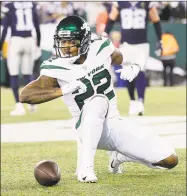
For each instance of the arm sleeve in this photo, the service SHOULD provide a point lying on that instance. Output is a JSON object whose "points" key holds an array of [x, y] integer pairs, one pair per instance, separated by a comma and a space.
{"points": [[158, 30], [109, 25], [157, 25]]}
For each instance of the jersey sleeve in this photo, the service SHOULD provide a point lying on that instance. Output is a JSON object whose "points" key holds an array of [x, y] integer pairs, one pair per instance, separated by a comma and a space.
{"points": [[51, 69], [54, 69], [105, 49]]}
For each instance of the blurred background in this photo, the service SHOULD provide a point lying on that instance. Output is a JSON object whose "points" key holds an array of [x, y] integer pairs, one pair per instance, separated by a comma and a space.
{"points": [[173, 18]]}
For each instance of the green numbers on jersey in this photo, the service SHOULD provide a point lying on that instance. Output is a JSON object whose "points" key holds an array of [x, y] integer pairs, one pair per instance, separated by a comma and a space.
{"points": [[100, 89], [89, 92]]}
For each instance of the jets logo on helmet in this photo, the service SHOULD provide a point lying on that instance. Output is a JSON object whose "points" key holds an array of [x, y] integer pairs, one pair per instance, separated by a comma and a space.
{"points": [[85, 26], [72, 33]]}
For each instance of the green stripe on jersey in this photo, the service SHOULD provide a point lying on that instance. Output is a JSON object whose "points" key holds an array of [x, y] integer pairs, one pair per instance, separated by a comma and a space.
{"points": [[105, 44], [52, 67], [79, 121]]}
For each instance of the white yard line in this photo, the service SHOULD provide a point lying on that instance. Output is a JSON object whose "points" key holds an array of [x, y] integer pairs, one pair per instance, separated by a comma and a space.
{"points": [[172, 127]]}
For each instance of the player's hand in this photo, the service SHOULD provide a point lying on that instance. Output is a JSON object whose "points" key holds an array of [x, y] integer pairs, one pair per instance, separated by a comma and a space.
{"points": [[129, 72], [159, 49], [73, 86]]}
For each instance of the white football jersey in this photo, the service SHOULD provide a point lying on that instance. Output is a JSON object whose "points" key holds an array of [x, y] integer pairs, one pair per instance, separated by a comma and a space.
{"points": [[94, 73]]}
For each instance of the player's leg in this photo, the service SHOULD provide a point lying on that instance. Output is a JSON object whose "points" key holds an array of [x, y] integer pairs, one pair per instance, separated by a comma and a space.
{"points": [[79, 150], [91, 123], [172, 65], [141, 146], [128, 52], [164, 62], [141, 82], [141, 87], [133, 103], [13, 62], [27, 65]]}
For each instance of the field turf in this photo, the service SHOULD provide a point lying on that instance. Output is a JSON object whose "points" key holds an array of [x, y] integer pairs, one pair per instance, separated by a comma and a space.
{"points": [[18, 159], [18, 162], [159, 102]]}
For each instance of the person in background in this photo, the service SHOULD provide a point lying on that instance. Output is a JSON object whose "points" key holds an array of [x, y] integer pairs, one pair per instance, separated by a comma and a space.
{"points": [[170, 48], [21, 17], [79, 9], [55, 11], [134, 23]]}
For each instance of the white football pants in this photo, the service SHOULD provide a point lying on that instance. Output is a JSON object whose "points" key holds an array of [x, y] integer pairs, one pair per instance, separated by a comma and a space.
{"points": [[21, 51], [116, 134]]}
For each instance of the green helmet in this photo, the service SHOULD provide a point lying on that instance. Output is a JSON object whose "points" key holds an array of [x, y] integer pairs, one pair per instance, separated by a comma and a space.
{"points": [[72, 28]]}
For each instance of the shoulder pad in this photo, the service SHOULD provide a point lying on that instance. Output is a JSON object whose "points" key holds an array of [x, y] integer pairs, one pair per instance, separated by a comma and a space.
{"points": [[54, 63], [101, 49], [105, 44], [102, 45]]}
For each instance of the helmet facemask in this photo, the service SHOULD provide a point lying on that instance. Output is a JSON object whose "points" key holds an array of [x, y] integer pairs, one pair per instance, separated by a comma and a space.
{"points": [[65, 46], [75, 39]]}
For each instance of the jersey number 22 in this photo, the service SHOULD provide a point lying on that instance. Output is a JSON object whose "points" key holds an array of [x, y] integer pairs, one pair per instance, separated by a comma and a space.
{"points": [[99, 90]]}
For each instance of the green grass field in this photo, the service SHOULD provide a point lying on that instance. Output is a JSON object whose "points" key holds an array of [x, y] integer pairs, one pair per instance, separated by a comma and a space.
{"points": [[159, 102], [18, 159]]}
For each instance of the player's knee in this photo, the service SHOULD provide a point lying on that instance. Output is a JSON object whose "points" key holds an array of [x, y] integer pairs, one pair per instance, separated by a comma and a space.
{"points": [[100, 104], [168, 163], [100, 101], [100, 98]]}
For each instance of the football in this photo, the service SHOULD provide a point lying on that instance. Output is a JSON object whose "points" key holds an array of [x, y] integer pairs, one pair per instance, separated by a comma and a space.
{"points": [[47, 173]]}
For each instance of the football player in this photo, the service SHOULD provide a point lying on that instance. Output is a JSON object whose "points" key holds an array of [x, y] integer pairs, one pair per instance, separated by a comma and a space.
{"points": [[21, 17], [134, 17], [80, 74]]}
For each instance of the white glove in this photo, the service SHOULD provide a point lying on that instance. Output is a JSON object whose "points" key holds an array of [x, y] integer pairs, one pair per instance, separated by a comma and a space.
{"points": [[129, 72], [73, 86]]}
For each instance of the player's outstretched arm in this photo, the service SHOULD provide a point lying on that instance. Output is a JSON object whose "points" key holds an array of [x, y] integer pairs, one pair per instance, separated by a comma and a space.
{"points": [[41, 90], [154, 17], [47, 88], [111, 19]]}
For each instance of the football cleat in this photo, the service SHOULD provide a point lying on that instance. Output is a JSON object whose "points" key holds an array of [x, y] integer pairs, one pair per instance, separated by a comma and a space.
{"points": [[19, 110], [136, 108], [140, 108], [32, 108], [113, 168], [133, 108], [87, 176]]}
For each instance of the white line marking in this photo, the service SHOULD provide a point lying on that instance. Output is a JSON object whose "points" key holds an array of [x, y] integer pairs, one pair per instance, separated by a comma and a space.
{"points": [[171, 127]]}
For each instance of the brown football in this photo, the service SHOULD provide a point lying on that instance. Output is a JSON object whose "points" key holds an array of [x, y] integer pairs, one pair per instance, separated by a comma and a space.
{"points": [[47, 173]]}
